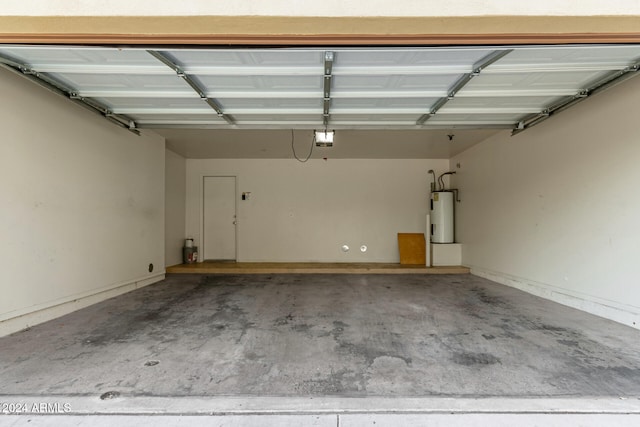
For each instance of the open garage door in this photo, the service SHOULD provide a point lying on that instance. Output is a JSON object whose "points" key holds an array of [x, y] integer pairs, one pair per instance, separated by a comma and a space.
{"points": [[511, 87]]}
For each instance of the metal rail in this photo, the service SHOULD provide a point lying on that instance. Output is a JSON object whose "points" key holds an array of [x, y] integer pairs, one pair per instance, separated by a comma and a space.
{"points": [[610, 80], [462, 82], [59, 88], [191, 82]]}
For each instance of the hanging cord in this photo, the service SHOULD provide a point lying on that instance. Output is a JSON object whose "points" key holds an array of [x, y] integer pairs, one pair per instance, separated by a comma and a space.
{"points": [[293, 148], [441, 179]]}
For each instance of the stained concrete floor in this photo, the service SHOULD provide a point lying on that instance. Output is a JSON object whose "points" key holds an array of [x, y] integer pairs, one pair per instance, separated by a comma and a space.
{"points": [[324, 335]]}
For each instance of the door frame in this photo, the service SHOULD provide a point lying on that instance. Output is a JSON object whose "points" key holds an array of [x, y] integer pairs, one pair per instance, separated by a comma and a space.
{"points": [[202, 216]]}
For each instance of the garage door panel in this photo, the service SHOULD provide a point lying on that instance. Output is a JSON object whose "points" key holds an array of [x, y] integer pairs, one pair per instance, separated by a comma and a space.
{"points": [[155, 103], [262, 83], [470, 117], [216, 59], [534, 81], [394, 82], [607, 57], [116, 82], [271, 103], [383, 103], [538, 102], [445, 58], [39, 57]]}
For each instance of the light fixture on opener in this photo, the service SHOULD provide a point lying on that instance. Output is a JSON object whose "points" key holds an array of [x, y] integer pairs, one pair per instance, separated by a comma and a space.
{"points": [[324, 138]]}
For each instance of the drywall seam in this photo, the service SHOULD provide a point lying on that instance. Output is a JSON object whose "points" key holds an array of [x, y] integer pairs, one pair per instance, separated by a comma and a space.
{"points": [[609, 310], [45, 312]]}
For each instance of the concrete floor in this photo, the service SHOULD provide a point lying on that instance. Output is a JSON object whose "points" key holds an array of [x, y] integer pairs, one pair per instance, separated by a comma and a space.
{"points": [[324, 335]]}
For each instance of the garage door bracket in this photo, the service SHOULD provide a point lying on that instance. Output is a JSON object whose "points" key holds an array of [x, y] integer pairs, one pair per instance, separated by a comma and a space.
{"points": [[328, 76]]}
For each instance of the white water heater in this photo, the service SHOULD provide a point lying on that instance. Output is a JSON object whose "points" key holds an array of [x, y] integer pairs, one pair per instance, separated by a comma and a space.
{"points": [[442, 217]]}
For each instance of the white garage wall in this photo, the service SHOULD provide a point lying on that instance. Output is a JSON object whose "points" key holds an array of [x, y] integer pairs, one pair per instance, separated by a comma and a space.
{"points": [[555, 210], [307, 211], [174, 207], [82, 206]]}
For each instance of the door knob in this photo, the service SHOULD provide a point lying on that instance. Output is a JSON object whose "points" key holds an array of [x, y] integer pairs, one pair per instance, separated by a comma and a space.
{"points": [[235, 222]]}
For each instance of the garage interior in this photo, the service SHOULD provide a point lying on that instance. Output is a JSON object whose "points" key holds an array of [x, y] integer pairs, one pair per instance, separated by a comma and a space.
{"points": [[103, 188]]}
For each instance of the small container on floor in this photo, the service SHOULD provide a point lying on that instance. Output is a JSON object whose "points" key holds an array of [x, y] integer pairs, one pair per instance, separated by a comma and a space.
{"points": [[190, 254]]}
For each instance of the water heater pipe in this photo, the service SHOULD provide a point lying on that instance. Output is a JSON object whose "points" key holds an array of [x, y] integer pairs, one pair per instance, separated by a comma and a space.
{"points": [[441, 181], [433, 180]]}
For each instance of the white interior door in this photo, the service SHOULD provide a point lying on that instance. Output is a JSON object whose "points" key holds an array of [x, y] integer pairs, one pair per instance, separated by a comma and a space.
{"points": [[219, 238]]}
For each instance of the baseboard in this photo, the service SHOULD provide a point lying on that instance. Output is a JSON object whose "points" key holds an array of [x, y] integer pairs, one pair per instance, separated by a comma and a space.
{"points": [[608, 309], [45, 312]]}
